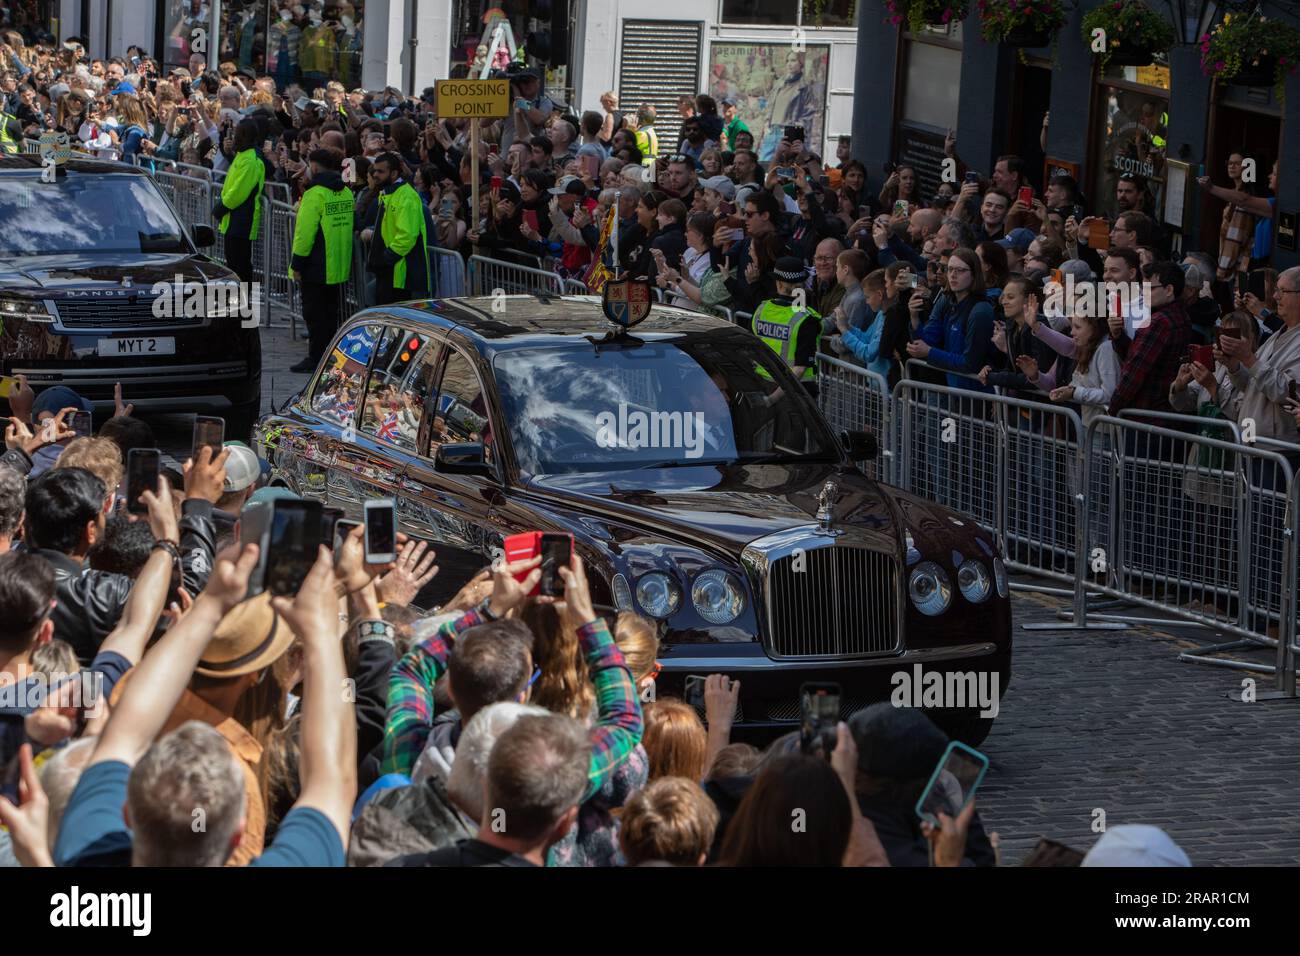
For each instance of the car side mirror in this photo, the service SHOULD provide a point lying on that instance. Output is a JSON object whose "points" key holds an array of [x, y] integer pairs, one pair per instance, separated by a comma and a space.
{"points": [[204, 236], [463, 458], [859, 446]]}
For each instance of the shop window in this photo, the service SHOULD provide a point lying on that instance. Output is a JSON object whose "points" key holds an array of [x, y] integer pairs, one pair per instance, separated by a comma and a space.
{"points": [[829, 13], [187, 29], [1134, 124], [764, 12], [932, 85], [294, 44]]}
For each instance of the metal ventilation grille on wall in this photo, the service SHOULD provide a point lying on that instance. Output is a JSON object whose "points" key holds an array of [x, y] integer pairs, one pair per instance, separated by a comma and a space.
{"points": [[660, 61]]}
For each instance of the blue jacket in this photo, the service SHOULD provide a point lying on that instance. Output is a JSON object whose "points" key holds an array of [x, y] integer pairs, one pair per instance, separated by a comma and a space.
{"points": [[865, 345], [960, 337]]}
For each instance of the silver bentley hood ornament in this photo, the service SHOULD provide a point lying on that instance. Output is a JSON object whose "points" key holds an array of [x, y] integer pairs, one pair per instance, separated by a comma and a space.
{"points": [[825, 512]]}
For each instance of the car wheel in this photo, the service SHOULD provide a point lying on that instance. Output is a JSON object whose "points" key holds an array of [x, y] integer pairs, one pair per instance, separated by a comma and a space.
{"points": [[240, 421]]}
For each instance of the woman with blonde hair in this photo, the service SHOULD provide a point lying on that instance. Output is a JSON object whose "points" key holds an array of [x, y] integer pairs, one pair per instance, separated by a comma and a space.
{"points": [[70, 112], [563, 686], [134, 124], [638, 638]]}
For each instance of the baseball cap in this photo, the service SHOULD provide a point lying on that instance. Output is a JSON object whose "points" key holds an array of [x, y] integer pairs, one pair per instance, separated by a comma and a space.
{"points": [[1136, 844], [721, 185], [568, 184], [1080, 270], [242, 467], [56, 398], [124, 87], [1018, 239], [730, 101]]}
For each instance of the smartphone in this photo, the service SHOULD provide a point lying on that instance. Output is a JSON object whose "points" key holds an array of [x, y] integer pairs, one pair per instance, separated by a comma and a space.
{"points": [[522, 104], [953, 783], [889, 168], [972, 177], [142, 466], [785, 172], [900, 207], [1243, 283], [1204, 354], [301, 103], [1099, 234], [557, 552], [693, 691], [81, 424], [381, 530], [496, 182], [819, 717], [591, 164], [293, 544], [329, 520], [1026, 195], [1227, 334], [342, 528], [210, 433], [446, 208], [1078, 214], [795, 134], [726, 209], [494, 149], [913, 281]]}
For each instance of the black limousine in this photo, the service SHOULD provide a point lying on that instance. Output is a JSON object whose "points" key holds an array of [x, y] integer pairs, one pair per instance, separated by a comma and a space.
{"points": [[701, 484]]}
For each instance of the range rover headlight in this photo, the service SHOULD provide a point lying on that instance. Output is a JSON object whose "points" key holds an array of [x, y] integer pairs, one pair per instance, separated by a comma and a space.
{"points": [[718, 596], [1000, 576], [658, 594], [929, 588], [973, 581], [30, 310]]}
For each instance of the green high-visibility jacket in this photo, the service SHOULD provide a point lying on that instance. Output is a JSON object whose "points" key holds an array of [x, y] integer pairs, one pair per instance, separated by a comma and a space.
{"points": [[240, 206], [647, 140], [778, 324], [322, 231], [405, 238], [7, 142]]}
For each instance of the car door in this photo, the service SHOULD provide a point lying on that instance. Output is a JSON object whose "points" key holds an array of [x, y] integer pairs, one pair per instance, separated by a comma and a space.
{"points": [[454, 512], [368, 466], [310, 442]]}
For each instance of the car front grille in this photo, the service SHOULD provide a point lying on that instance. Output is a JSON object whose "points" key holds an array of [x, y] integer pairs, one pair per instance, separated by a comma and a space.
{"points": [[117, 313], [834, 601]]}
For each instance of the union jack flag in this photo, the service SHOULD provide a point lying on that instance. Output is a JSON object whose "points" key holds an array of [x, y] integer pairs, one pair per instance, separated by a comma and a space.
{"points": [[388, 430]]}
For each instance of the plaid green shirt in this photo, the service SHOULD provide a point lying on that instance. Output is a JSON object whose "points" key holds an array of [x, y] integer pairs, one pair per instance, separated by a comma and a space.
{"points": [[410, 699]]}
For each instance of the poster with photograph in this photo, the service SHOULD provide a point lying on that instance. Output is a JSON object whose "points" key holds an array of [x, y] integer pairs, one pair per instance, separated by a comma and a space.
{"points": [[775, 85]]}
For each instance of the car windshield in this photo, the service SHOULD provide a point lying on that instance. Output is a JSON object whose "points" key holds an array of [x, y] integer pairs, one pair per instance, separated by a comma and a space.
{"points": [[78, 213], [675, 402]]}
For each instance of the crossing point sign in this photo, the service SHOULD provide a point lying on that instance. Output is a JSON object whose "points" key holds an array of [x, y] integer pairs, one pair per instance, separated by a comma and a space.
{"points": [[473, 99]]}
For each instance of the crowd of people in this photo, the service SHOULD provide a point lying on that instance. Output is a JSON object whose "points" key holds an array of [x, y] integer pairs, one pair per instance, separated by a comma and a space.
{"points": [[504, 729], [142, 692]]}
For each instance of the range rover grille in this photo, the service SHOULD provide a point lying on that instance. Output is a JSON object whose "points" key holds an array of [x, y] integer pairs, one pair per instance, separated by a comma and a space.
{"points": [[117, 313]]}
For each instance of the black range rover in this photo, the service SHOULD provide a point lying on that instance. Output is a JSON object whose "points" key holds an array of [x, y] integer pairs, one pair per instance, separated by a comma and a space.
{"points": [[702, 486], [81, 263]]}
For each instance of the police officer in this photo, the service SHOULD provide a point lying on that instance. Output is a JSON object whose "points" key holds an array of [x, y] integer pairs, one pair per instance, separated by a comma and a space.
{"points": [[790, 328], [399, 253], [322, 251], [240, 205], [647, 140]]}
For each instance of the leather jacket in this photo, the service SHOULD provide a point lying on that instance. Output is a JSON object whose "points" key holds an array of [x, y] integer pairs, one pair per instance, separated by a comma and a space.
{"points": [[89, 603]]}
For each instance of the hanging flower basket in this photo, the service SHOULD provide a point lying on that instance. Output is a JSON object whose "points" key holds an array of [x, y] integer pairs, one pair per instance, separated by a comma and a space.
{"points": [[1251, 51], [919, 14], [1021, 23], [1131, 31]]}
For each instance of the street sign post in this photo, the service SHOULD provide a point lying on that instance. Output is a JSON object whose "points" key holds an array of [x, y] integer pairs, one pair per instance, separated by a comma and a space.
{"points": [[473, 100]]}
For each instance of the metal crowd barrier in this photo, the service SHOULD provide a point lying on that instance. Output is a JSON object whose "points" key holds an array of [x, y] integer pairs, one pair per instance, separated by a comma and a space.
{"points": [[1199, 527], [450, 273], [486, 276]]}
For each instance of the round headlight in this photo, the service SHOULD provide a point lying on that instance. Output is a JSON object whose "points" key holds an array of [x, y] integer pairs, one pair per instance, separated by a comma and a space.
{"points": [[658, 594], [973, 580], [718, 596], [929, 588], [622, 593], [1000, 576]]}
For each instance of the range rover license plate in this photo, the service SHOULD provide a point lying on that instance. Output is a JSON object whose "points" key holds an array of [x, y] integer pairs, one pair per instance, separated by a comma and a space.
{"points": [[147, 345]]}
